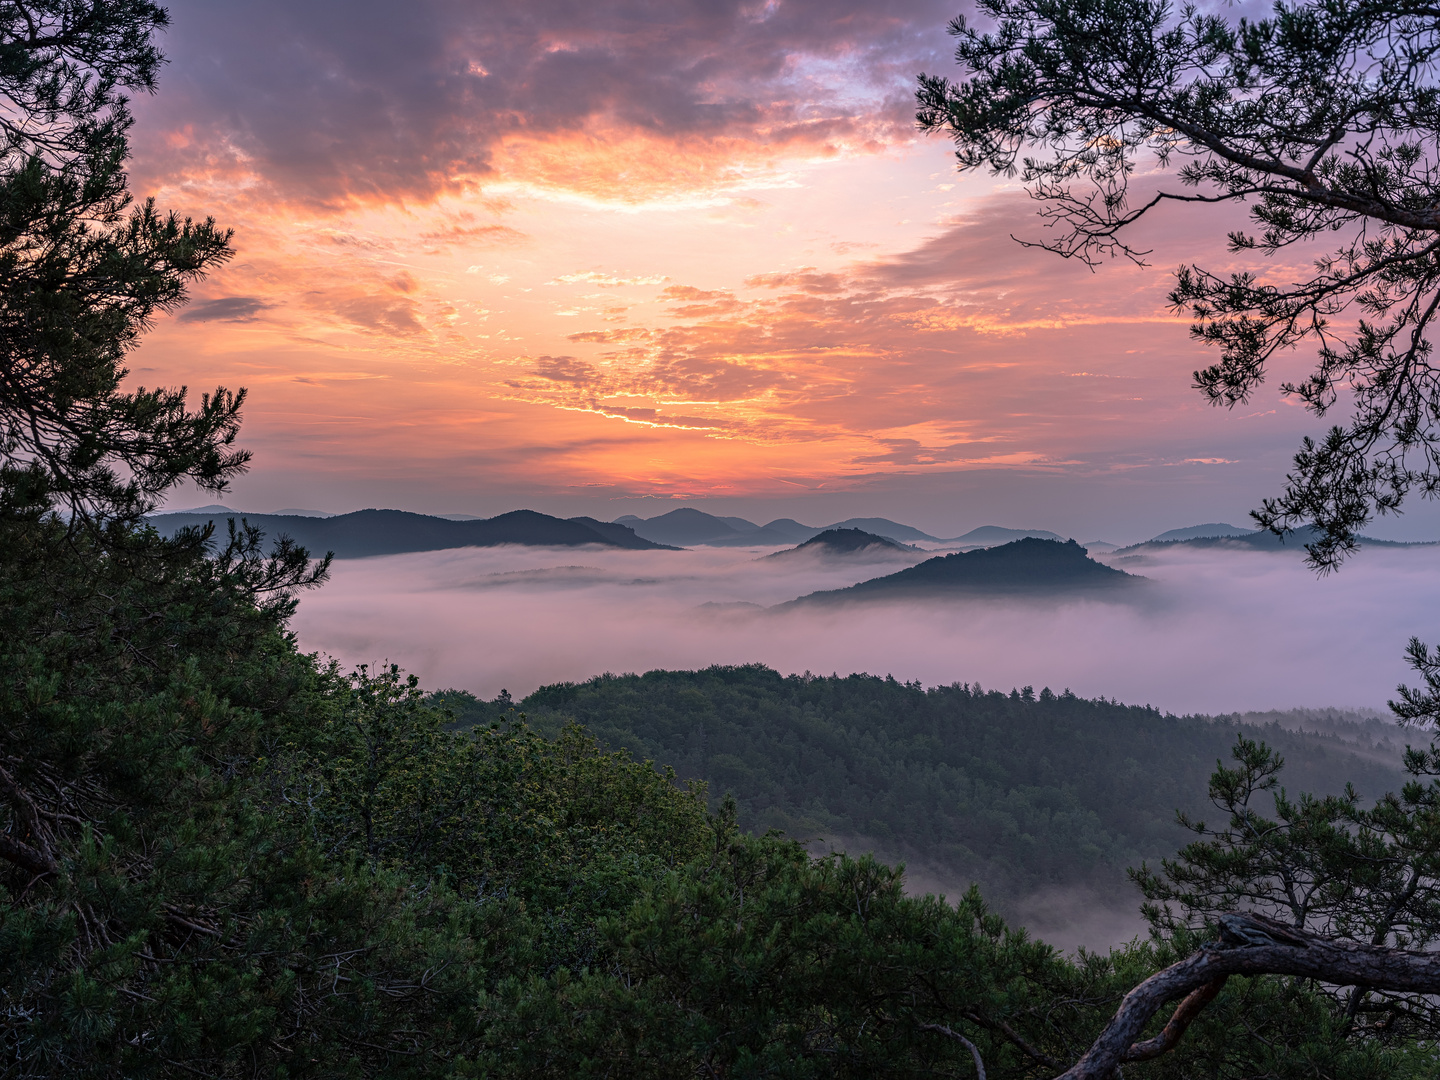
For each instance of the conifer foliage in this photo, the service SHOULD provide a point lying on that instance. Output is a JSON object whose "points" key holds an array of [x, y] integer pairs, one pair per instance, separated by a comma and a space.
{"points": [[83, 271]]}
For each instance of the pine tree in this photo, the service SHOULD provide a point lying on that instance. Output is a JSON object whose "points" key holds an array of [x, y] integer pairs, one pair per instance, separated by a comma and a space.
{"points": [[1323, 120], [83, 271]]}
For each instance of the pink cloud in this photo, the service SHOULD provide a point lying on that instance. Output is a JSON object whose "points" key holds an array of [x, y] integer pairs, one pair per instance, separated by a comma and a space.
{"points": [[327, 102]]}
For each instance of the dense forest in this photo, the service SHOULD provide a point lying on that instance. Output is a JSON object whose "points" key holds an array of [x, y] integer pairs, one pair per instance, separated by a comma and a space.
{"points": [[222, 856], [1013, 790]]}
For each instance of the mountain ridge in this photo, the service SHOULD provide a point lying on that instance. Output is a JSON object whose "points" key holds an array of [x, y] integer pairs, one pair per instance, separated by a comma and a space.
{"points": [[1259, 540], [365, 533]]}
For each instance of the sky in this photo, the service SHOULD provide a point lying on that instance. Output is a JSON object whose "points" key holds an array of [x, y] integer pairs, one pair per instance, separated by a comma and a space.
{"points": [[627, 255]]}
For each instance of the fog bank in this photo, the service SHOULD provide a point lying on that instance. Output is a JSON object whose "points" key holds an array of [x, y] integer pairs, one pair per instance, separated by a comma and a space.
{"points": [[1220, 630]]}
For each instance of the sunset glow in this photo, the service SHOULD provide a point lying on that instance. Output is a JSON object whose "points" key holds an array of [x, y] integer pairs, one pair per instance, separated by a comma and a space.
{"points": [[574, 259]]}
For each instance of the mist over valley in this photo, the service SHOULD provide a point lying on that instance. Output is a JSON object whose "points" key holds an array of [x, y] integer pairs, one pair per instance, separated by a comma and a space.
{"points": [[1219, 639], [1216, 629]]}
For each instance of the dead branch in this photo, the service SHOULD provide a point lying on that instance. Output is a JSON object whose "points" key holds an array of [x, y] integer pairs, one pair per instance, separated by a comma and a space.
{"points": [[26, 857], [1014, 1036], [1170, 1036], [1248, 945]]}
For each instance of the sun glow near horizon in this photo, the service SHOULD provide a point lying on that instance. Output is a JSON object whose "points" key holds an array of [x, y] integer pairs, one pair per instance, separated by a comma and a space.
{"points": [[768, 283]]}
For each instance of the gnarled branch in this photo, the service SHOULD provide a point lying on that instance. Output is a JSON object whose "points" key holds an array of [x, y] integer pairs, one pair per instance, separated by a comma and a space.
{"points": [[1263, 947], [27, 858]]}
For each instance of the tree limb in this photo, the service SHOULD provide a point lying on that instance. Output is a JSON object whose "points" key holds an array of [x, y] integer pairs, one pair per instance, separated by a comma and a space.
{"points": [[1186, 1012], [1266, 948], [1015, 1037], [26, 857]]}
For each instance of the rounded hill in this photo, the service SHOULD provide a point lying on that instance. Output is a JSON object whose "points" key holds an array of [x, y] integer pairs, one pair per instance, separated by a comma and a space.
{"points": [[1025, 567], [844, 542]]}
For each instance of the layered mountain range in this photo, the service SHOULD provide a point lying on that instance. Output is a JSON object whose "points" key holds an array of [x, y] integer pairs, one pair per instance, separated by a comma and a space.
{"points": [[688, 527], [389, 532]]}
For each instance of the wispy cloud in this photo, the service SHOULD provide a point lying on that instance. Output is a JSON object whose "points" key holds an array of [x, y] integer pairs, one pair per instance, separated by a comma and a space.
{"points": [[224, 309]]}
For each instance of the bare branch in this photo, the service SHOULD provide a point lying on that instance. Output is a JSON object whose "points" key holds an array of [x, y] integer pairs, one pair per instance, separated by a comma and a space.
{"points": [[1271, 949], [26, 857]]}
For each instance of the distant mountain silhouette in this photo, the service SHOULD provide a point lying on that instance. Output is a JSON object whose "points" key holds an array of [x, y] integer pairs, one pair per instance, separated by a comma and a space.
{"points": [[844, 542], [740, 524], [688, 527], [882, 527], [618, 535], [1028, 567], [994, 535], [1198, 532], [390, 532], [1261, 540], [209, 508], [791, 529]]}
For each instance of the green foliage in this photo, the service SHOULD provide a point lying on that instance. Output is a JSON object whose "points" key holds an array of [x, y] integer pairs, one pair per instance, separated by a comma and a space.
{"points": [[1335, 865], [755, 960], [1015, 791], [758, 961], [499, 814], [157, 919], [217, 856]]}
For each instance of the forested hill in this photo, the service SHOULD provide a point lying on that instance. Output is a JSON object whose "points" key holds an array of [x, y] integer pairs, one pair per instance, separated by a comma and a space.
{"points": [[844, 542], [390, 532], [1030, 566], [1015, 790]]}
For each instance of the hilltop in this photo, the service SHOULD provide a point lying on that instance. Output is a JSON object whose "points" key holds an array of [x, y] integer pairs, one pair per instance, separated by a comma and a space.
{"points": [[994, 536], [1022, 567], [1018, 789], [1210, 530], [688, 527], [846, 542]]}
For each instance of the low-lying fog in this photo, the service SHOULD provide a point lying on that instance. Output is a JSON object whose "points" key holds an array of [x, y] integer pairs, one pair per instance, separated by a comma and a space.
{"points": [[1220, 631]]}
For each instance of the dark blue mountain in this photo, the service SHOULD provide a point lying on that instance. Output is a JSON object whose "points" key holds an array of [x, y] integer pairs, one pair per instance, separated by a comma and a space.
{"points": [[1025, 567], [883, 527], [844, 542], [391, 532], [688, 527]]}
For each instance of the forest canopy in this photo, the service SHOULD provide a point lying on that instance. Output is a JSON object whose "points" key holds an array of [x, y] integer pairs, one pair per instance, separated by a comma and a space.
{"points": [[949, 777]]}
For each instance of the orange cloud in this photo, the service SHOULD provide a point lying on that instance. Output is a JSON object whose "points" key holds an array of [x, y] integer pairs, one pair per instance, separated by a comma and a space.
{"points": [[336, 105]]}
